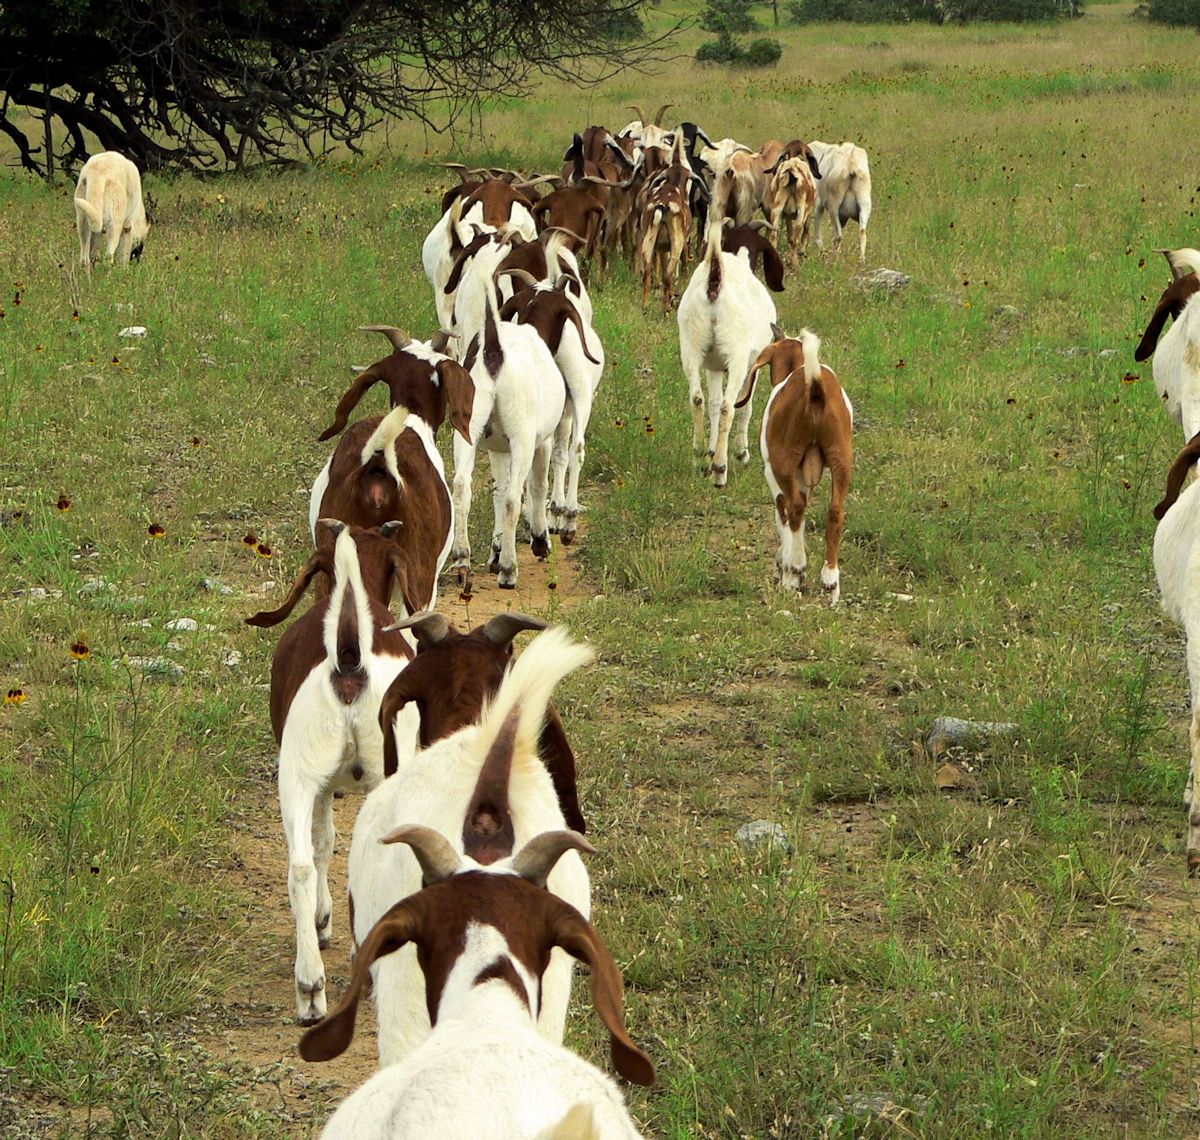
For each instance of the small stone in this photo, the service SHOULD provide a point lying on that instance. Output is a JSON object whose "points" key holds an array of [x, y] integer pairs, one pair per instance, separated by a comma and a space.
{"points": [[216, 586], [34, 593], [183, 625], [133, 331], [1109, 353], [231, 659], [888, 279], [145, 623], [174, 647], [265, 588], [754, 835], [96, 585], [900, 597]]}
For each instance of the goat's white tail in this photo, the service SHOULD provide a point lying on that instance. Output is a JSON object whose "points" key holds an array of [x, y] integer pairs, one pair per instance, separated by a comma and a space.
{"points": [[94, 216], [527, 689], [578, 1124], [812, 345], [348, 644], [383, 439]]}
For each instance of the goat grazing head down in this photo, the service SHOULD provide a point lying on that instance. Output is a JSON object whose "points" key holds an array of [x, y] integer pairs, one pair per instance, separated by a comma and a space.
{"points": [[474, 927]]}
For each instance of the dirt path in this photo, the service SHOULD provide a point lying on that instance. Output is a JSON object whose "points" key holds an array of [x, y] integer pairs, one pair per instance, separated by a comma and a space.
{"points": [[260, 1035]]}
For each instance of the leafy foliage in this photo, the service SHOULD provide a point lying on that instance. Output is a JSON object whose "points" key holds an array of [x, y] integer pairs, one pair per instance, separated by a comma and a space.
{"points": [[1184, 13], [933, 11], [211, 85]]}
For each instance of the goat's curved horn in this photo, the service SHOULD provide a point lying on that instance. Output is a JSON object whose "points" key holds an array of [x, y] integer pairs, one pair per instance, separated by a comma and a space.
{"points": [[398, 337], [501, 629], [433, 851], [640, 113], [389, 529], [537, 858], [1181, 261], [659, 113], [428, 628], [519, 274], [759, 224], [451, 165], [334, 526], [440, 340]]}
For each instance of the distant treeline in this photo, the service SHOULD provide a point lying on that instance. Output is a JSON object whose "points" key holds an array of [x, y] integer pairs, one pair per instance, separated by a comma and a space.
{"points": [[939, 11]]}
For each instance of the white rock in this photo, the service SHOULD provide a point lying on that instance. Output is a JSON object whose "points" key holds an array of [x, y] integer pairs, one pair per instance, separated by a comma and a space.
{"points": [[952, 730], [231, 659], [216, 586], [183, 625], [155, 666], [133, 331], [754, 835]]}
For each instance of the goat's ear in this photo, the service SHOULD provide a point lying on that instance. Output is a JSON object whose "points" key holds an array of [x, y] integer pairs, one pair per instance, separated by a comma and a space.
{"points": [[1169, 305], [747, 391], [456, 382], [403, 689], [331, 1037], [349, 401], [555, 752], [400, 570], [1184, 462], [812, 162], [318, 562], [772, 266], [578, 938]]}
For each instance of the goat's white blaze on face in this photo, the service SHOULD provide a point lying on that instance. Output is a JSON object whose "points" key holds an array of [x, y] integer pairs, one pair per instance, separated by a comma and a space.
{"points": [[487, 957]]}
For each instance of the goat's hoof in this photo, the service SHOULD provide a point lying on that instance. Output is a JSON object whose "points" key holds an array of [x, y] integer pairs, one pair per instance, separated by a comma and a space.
{"points": [[507, 583], [720, 474], [566, 537], [493, 563], [325, 932], [1193, 864], [310, 1001], [743, 456], [540, 545]]}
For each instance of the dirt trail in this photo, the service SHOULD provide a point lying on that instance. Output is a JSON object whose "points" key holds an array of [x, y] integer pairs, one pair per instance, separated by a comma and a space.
{"points": [[261, 1033]]}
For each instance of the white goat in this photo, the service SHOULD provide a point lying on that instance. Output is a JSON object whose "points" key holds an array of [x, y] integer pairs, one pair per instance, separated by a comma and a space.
{"points": [[487, 786], [726, 318], [483, 934], [1177, 566], [843, 191], [1177, 354], [108, 203], [328, 677], [520, 396]]}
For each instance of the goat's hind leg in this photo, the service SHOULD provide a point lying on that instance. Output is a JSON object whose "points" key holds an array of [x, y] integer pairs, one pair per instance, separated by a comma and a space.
{"points": [[324, 836], [1190, 796], [296, 804]]}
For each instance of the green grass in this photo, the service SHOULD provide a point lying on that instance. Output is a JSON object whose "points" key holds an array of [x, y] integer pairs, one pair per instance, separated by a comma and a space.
{"points": [[1015, 958]]}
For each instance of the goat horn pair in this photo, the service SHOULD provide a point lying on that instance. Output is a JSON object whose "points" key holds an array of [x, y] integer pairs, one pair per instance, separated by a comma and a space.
{"points": [[551, 230], [428, 628], [659, 113], [519, 274], [398, 337], [534, 861]]}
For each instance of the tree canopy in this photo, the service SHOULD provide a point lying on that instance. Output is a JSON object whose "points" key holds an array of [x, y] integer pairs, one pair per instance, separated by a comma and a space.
{"points": [[222, 84]]}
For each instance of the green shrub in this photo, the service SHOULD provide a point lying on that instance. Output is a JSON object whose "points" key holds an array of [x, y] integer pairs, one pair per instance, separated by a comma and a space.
{"points": [[623, 27], [718, 51], [762, 53], [1182, 13], [939, 11]]}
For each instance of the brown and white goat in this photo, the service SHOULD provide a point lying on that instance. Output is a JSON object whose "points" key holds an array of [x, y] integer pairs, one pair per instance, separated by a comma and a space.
{"points": [[790, 196], [483, 936], [735, 239], [389, 467], [574, 209], [452, 678], [487, 788], [806, 427], [666, 224], [328, 676]]}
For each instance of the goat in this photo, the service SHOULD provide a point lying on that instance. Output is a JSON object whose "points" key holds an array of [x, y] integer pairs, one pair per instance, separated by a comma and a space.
{"points": [[483, 935], [452, 677], [844, 191], [806, 427], [790, 196], [726, 318], [1177, 567], [520, 396], [328, 676], [108, 203], [579, 355], [1177, 359], [484, 784], [389, 467], [666, 223], [572, 208]]}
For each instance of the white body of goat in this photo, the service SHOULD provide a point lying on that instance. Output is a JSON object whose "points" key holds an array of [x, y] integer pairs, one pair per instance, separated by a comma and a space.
{"points": [[520, 396], [843, 191], [725, 320], [1177, 567], [108, 206], [435, 789]]}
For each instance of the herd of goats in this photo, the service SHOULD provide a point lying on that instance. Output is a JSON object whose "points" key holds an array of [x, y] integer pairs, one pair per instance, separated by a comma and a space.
{"points": [[468, 897]]}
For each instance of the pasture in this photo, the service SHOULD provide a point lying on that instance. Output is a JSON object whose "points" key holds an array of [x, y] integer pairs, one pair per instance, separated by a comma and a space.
{"points": [[1016, 954]]}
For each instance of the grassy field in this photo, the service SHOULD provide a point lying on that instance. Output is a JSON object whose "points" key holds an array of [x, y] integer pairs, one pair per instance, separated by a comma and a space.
{"points": [[1017, 956]]}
